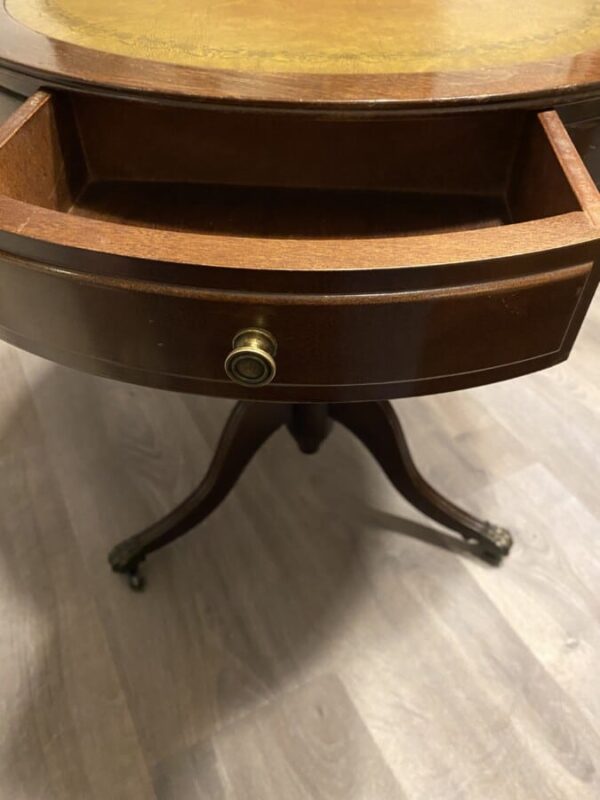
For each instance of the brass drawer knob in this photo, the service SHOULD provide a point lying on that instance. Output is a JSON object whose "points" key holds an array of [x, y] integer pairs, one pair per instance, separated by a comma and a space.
{"points": [[252, 360]]}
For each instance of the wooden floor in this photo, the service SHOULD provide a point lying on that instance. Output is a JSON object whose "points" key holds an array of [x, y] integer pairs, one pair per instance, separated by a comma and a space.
{"points": [[316, 638]]}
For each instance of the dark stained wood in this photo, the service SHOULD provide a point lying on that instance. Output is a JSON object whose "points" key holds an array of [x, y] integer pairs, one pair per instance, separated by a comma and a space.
{"points": [[379, 429], [247, 429], [586, 137], [9, 103], [377, 250], [344, 348], [460, 153], [314, 566], [349, 269], [309, 424], [270, 213], [425, 163], [217, 171]]}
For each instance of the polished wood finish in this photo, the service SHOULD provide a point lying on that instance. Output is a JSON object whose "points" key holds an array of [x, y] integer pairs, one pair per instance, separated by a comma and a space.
{"points": [[372, 55], [378, 428], [249, 427], [166, 231], [309, 424], [191, 694], [309, 637], [180, 339], [428, 162]]}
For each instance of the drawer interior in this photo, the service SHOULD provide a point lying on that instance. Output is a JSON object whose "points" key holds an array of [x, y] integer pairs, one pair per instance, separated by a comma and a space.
{"points": [[585, 134], [275, 175]]}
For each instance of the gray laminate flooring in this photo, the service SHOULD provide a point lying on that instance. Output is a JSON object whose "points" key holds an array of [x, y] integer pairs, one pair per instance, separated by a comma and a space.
{"points": [[316, 637]]}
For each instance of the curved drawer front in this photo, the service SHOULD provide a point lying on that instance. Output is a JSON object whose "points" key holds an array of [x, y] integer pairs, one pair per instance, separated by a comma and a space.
{"points": [[327, 347], [379, 259]]}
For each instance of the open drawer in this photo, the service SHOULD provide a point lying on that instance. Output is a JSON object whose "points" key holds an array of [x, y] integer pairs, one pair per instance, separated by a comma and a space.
{"points": [[387, 256]]}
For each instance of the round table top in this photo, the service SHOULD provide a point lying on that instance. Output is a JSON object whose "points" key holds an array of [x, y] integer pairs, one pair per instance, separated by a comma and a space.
{"points": [[314, 51]]}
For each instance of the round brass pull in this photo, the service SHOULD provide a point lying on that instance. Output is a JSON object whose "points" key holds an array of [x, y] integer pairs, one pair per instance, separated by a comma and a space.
{"points": [[252, 362]]}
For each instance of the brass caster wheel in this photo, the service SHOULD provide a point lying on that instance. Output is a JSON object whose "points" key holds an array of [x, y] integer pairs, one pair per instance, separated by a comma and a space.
{"points": [[494, 544], [124, 559], [136, 581]]}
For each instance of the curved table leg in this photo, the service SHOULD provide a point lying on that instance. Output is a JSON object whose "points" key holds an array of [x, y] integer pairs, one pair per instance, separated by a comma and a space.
{"points": [[248, 427], [378, 427]]}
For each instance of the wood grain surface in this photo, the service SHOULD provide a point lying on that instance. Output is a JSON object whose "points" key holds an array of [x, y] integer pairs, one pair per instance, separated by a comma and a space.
{"points": [[316, 638], [371, 36], [378, 55], [55, 146], [142, 249]]}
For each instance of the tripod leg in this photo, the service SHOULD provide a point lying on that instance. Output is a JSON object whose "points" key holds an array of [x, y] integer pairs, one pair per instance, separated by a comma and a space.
{"points": [[377, 426], [248, 427]]}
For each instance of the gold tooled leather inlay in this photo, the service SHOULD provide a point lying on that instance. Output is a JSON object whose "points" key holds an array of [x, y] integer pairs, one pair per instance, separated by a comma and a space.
{"points": [[322, 36]]}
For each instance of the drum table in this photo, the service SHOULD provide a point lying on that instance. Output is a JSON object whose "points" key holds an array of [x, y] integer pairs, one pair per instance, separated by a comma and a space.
{"points": [[312, 207]]}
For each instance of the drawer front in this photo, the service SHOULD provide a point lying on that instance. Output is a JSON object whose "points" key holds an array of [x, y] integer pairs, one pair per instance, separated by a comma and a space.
{"points": [[328, 347], [405, 257]]}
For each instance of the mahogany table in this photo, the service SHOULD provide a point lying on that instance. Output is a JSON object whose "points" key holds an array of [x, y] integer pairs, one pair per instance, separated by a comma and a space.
{"points": [[312, 207]]}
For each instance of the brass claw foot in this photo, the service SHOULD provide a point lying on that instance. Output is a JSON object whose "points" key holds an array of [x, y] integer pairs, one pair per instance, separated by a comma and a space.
{"points": [[494, 543], [251, 424], [125, 559]]}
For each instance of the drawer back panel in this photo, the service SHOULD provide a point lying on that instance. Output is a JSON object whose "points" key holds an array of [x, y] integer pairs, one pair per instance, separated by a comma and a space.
{"points": [[469, 153]]}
